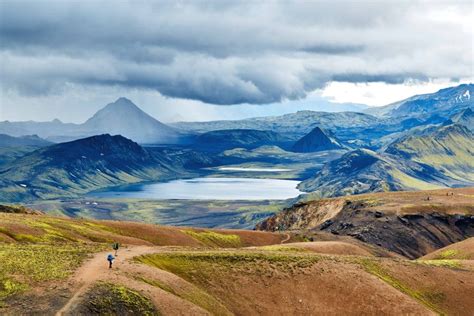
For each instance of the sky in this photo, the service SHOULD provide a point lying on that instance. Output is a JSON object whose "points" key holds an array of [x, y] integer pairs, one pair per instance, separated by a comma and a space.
{"points": [[206, 60]]}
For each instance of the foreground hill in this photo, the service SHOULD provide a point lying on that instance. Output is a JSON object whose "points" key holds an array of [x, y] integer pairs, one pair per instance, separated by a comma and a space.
{"points": [[57, 265], [316, 140], [463, 250], [438, 157], [77, 167], [409, 223], [238, 138]]}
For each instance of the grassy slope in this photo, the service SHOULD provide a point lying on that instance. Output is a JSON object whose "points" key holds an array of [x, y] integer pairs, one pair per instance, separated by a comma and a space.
{"points": [[39, 248], [450, 150], [272, 279], [291, 281]]}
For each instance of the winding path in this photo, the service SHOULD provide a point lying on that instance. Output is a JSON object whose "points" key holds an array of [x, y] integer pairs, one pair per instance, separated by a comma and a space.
{"points": [[96, 269]]}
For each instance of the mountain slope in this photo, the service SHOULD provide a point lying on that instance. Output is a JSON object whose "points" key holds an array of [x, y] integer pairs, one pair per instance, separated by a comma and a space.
{"points": [[125, 118], [363, 171], [80, 166], [465, 117], [184, 271], [238, 138], [29, 140], [316, 140], [438, 157], [121, 117], [448, 149], [403, 222], [444, 102]]}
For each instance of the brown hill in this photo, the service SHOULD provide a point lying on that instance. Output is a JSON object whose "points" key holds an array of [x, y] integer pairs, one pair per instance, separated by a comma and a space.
{"points": [[463, 250], [409, 223], [53, 265]]}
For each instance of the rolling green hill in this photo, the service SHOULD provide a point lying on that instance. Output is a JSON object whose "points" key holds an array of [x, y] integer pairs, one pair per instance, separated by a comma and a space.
{"points": [[448, 149]]}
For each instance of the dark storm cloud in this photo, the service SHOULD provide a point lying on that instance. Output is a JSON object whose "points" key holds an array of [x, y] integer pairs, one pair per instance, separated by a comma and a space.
{"points": [[229, 52]]}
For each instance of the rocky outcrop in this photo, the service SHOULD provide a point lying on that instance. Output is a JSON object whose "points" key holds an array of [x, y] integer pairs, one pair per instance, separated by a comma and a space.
{"points": [[412, 233]]}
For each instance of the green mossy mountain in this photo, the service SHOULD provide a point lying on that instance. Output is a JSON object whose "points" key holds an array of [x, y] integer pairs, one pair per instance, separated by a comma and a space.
{"points": [[441, 157]]}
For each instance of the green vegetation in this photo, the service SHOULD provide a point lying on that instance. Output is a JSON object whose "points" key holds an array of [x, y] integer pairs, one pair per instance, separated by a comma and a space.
{"points": [[446, 263], [192, 294], [449, 254], [202, 265], [283, 248], [47, 229], [215, 240], [111, 299], [430, 300], [23, 265], [195, 213]]}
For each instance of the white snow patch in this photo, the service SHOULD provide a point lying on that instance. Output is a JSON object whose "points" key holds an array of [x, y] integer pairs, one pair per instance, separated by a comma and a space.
{"points": [[467, 95]]}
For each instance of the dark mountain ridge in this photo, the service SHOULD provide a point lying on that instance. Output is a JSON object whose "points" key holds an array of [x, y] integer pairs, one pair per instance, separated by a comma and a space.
{"points": [[316, 140], [80, 166]]}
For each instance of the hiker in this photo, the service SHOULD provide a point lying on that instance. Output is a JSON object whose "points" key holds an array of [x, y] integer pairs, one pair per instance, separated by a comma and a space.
{"points": [[110, 259], [116, 247]]}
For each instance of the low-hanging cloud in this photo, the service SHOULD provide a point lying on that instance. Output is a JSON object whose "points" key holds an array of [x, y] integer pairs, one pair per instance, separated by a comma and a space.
{"points": [[230, 52]]}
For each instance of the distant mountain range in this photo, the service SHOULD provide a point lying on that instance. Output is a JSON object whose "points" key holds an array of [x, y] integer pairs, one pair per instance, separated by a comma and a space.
{"points": [[293, 125], [419, 143], [441, 157], [28, 140], [121, 117], [444, 103], [238, 138]]}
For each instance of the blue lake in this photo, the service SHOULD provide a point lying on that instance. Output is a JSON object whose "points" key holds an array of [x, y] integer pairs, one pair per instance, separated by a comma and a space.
{"points": [[207, 189]]}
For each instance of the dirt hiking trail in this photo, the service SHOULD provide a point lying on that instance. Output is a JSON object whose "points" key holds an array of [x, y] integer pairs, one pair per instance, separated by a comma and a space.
{"points": [[97, 269]]}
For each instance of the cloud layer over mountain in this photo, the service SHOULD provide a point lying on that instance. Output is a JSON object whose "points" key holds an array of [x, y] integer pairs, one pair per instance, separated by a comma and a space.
{"points": [[227, 52]]}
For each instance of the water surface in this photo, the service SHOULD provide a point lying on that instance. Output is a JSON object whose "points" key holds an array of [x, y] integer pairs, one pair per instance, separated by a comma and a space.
{"points": [[208, 189]]}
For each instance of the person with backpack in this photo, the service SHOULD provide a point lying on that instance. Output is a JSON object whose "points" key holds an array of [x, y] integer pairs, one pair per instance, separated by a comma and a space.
{"points": [[116, 247], [110, 259]]}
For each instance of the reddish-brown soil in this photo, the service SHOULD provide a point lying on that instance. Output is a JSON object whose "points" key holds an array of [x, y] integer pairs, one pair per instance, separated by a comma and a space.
{"points": [[463, 250], [409, 223]]}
